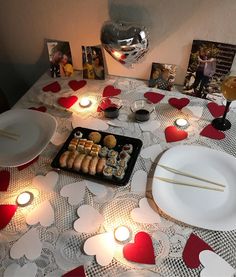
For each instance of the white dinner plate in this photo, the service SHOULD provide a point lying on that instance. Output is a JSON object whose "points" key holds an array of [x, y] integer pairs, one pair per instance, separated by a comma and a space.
{"points": [[203, 208], [35, 129]]}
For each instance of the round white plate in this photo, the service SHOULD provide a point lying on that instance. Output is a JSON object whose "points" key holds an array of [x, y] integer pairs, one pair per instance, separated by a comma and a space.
{"points": [[203, 208], [35, 129]]}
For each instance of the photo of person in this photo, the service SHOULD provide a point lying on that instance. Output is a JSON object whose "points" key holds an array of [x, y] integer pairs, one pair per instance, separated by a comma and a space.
{"points": [[93, 65], [162, 76], [60, 59], [209, 63]]}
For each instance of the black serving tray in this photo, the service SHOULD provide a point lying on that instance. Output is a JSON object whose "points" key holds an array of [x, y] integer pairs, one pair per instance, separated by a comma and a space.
{"points": [[121, 140]]}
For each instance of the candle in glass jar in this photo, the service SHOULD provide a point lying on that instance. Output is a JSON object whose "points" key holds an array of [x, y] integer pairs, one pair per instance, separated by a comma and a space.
{"points": [[85, 102]]}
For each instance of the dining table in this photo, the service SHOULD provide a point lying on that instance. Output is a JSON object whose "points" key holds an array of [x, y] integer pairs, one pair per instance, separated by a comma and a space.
{"points": [[50, 243]]}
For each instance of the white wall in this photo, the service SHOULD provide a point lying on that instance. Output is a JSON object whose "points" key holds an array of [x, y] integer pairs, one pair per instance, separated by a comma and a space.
{"points": [[173, 24]]}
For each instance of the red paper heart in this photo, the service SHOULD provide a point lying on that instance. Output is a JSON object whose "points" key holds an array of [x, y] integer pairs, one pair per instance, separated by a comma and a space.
{"points": [[4, 180], [215, 109], [154, 97], [6, 214], [141, 251], [173, 134], [210, 132], [106, 103], [21, 167], [67, 102], [75, 85], [110, 91], [192, 249], [179, 103], [53, 87], [76, 272], [40, 109]]}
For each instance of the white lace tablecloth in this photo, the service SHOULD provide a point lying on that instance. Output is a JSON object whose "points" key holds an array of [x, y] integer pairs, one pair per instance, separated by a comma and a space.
{"points": [[62, 245]]}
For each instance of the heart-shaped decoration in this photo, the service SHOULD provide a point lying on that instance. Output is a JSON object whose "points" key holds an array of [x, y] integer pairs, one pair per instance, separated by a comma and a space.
{"points": [[74, 192], [154, 97], [96, 189], [6, 214], [192, 249], [102, 246], [151, 152], [39, 109], [214, 265], [29, 245], [109, 91], [145, 214], [173, 134], [53, 87], [150, 126], [89, 220], [47, 182], [59, 138], [75, 85], [141, 251], [210, 132], [67, 102], [44, 214], [215, 109], [4, 180], [76, 272], [179, 103], [15, 270], [139, 182], [21, 167]]}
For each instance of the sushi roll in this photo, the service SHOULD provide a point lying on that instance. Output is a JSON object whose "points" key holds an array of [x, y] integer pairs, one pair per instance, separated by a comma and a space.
{"points": [[103, 151], [128, 148], [78, 135], [119, 173], [112, 154], [124, 155], [108, 171], [112, 162], [73, 144], [88, 146], [80, 146], [95, 150], [122, 163]]}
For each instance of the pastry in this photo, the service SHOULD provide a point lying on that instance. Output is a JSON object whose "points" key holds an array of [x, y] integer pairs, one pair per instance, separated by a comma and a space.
{"points": [[95, 137], [78, 161], [119, 173], [100, 165], [73, 144], [124, 155], [109, 141], [108, 171], [63, 158], [103, 151], [85, 163], [71, 159], [93, 165], [128, 148]]}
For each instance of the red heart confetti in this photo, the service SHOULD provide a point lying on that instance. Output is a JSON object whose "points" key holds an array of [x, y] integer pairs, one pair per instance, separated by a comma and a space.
{"points": [[179, 103], [173, 134], [141, 251], [4, 180], [154, 97], [21, 167], [110, 91], [215, 109], [75, 85], [76, 272], [40, 109], [67, 102], [53, 87], [6, 214], [210, 132], [192, 249]]}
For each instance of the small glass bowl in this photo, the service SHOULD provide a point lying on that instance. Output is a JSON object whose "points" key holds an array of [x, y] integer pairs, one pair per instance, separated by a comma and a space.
{"points": [[142, 109], [110, 106]]}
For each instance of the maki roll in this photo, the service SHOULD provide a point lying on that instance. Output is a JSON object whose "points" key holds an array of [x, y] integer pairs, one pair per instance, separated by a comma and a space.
{"points": [[111, 162], [103, 151], [78, 135], [88, 146], [108, 171], [73, 144], [112, 154], [128, 148], [124, 155], [122, 163], [119, 173]]}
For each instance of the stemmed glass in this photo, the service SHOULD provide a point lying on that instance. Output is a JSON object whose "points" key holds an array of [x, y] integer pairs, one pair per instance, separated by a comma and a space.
{"points": [[228, 89]]}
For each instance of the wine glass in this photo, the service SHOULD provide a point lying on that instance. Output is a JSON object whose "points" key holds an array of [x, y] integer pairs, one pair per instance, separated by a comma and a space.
{"points": [[228, 88]]}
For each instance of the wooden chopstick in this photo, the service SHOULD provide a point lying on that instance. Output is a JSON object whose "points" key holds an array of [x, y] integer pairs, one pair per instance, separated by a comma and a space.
{"points": [[8, 134], [187, 184], [190, 175]]}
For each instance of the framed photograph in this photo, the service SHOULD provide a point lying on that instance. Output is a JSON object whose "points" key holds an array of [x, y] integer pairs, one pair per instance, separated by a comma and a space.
{"points": [[60, 58], [209, 63], [93, 64], [162, 76]]}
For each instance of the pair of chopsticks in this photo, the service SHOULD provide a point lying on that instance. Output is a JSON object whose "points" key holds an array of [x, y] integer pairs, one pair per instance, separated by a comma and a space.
{"points": [[6, 134], [217, 186]]}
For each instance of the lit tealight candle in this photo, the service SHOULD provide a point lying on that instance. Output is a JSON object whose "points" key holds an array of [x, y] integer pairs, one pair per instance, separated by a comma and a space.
{"points": [[181, 123], [85, 102], [122, 234], [25, 198]]}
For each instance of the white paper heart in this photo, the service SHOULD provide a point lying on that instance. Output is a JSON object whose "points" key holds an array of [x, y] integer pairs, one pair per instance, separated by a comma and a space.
{"points": [[29, 245], [102, 246], [96, 189], [44, 214], [150, 126], [214, 265], [151, 152], [145, 214], [47, 182], [89, 220], [91, 122], [139, 182], [15, 270], [59, 138], [74, 192], [194, 112]]}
